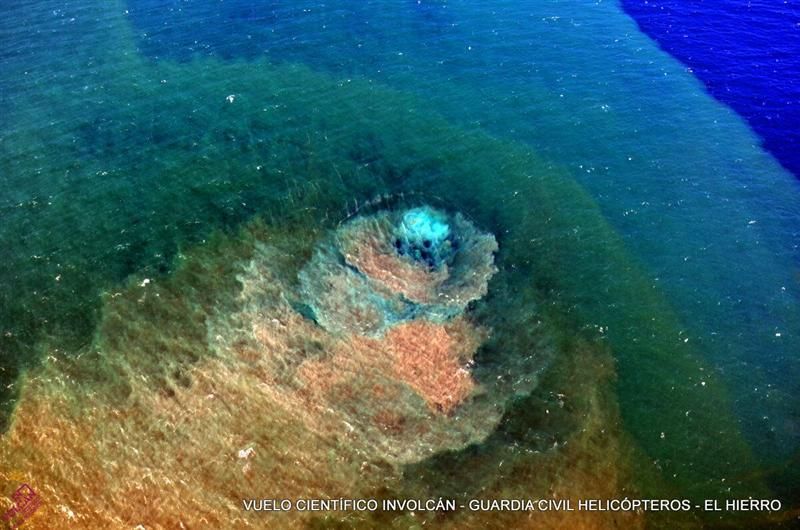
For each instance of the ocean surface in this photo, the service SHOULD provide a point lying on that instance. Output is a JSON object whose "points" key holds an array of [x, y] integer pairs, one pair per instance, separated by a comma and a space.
{"points": [[746, 55], [635, 165]]}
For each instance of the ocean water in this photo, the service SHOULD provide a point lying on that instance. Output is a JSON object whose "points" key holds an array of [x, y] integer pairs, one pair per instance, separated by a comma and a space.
{"points": [[648, 242], [745, 53]]}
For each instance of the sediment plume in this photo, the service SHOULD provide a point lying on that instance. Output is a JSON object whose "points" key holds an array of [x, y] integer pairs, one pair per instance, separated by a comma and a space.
{"points": [[396, 266], [195, 396]]}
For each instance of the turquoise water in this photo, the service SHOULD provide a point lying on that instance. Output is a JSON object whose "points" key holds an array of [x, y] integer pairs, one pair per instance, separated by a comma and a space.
{"points": [[130, 133]]}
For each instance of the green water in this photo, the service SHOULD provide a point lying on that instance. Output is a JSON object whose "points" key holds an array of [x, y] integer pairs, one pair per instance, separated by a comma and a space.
{"points": [[112, 163]]}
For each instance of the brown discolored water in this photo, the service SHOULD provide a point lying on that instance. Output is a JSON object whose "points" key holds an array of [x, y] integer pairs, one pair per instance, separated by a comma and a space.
{"points": [[160, 366]]}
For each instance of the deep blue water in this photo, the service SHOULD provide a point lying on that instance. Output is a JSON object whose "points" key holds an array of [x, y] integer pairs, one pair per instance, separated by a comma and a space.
{"points": [[746, 52]]}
